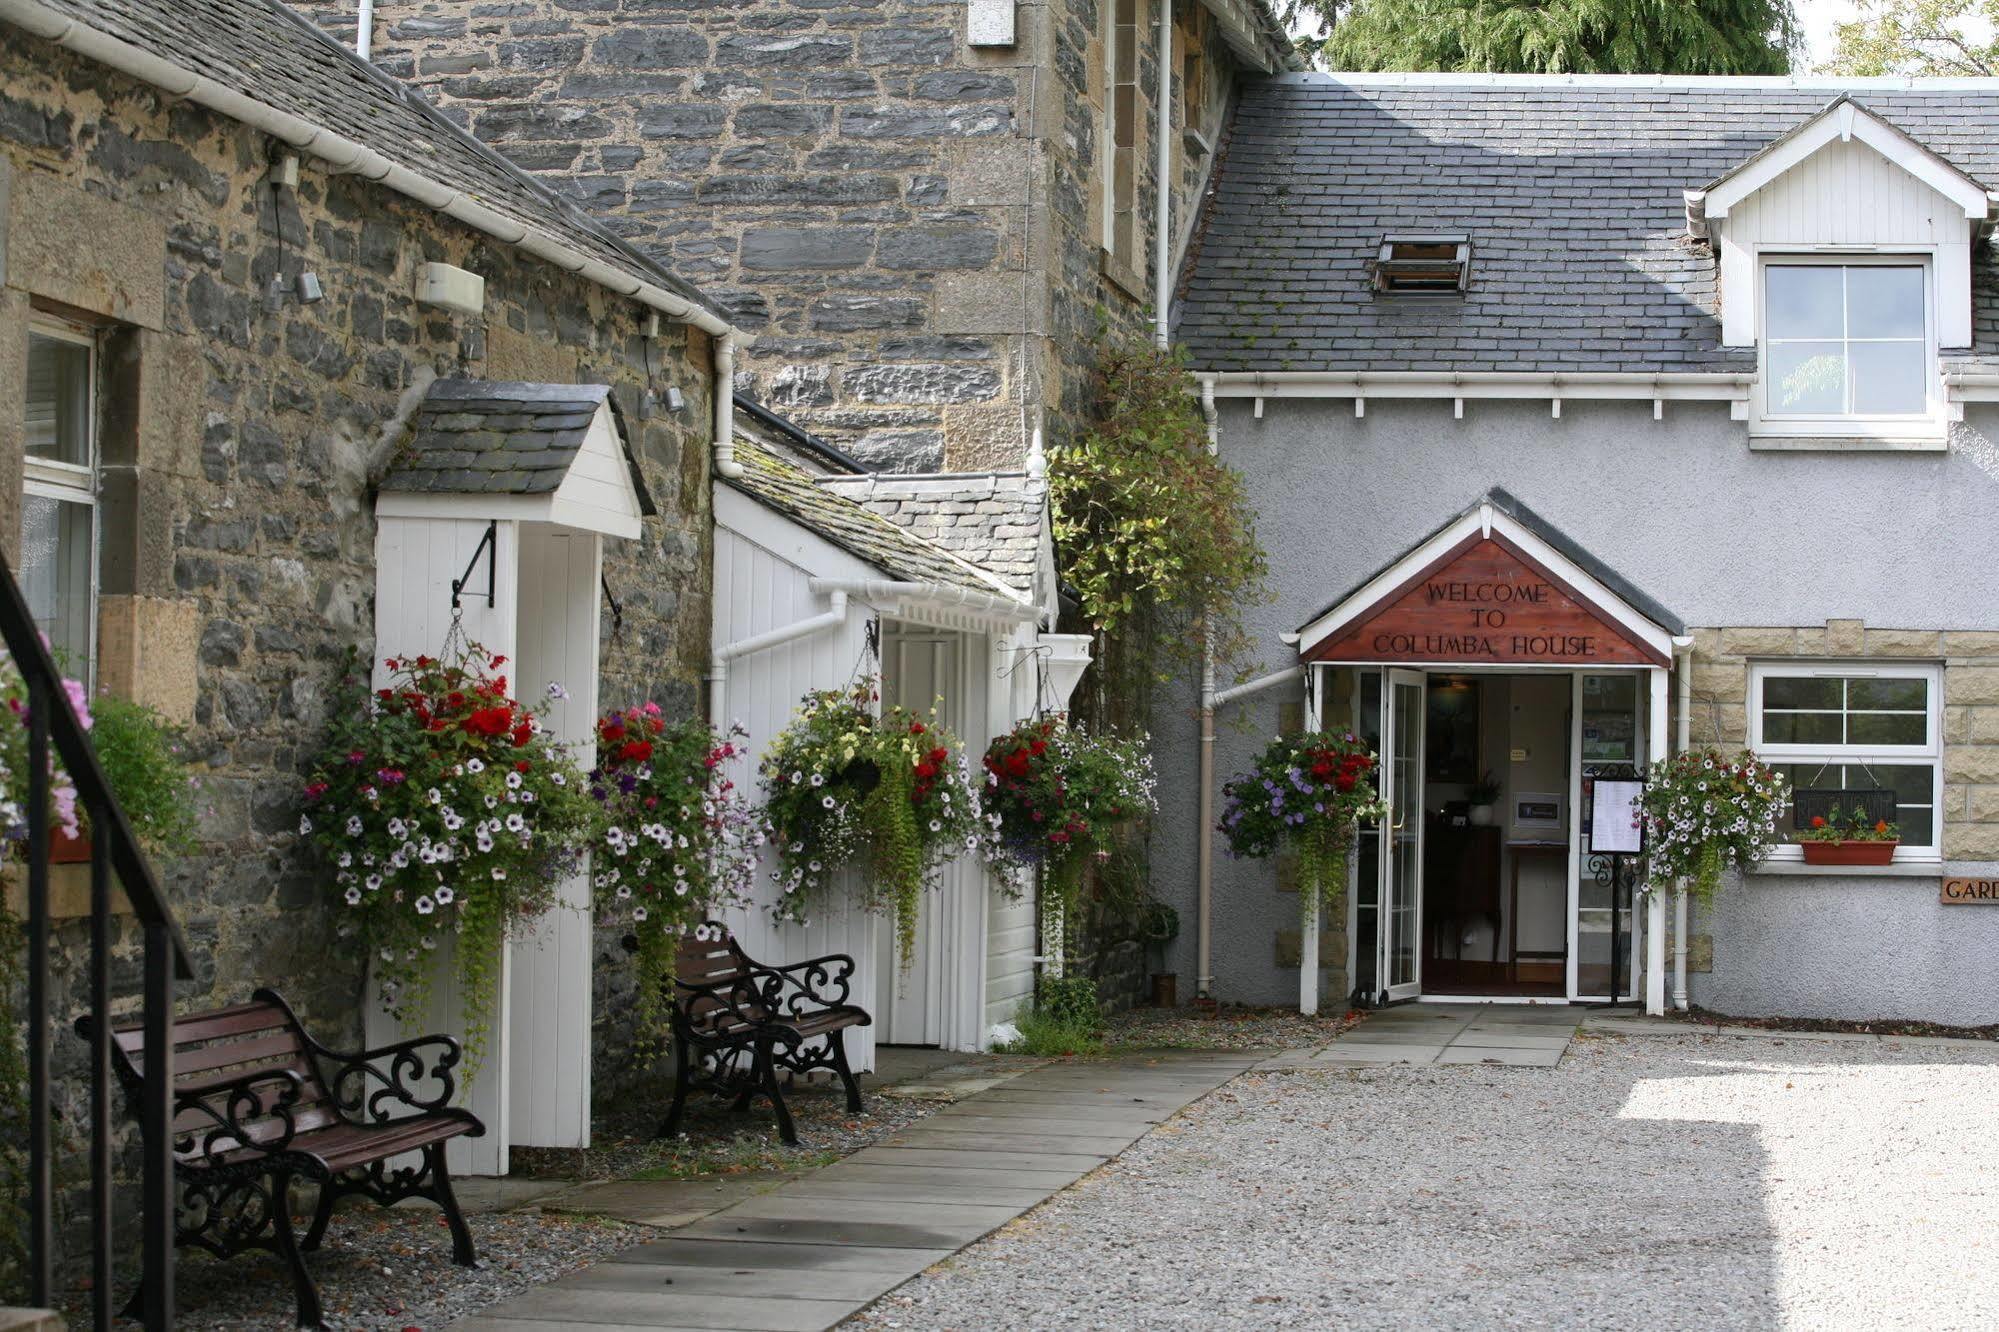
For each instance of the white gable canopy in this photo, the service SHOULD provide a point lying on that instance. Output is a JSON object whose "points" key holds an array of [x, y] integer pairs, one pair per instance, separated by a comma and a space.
{"points": [[1844, 179], [551, 453]]}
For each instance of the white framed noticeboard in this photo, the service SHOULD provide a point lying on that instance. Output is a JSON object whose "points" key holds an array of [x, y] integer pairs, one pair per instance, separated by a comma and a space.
{"points": [[1614, 825]]}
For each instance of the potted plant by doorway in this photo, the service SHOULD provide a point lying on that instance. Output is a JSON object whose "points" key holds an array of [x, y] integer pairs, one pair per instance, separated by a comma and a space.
{"points": [[1847, 838], [1483, 797]]}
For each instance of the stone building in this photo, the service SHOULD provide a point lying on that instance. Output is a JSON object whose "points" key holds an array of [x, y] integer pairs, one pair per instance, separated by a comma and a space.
{"points": [[1587, 419], [192, 436], [919, 213]]}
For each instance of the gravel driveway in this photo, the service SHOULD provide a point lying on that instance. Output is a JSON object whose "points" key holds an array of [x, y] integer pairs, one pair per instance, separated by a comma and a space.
{"points": [[1696, 1181]]}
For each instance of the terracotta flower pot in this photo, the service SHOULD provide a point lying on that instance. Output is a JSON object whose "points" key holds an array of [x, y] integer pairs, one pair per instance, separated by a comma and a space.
{"points": [[1849, 853], [68, 850]]}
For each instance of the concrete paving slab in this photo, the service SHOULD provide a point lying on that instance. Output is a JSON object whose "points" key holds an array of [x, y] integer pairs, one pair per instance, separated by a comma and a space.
{"points": [[504, 1194], [1470, 1054], [491, 1321], [877, 1191], [739, 1254], [771, 1283], [1340, 1052], [648, 1309], [1067, 1111], [665, 1202], [959, 1158], [981, 1140], [799, 1207], [932, 1177], [1528, 1040], [1122, 1129], [865, 1234]]}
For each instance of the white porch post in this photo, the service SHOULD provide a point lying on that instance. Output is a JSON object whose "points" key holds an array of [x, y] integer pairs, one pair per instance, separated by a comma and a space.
{"points": [[1655, 901], [1308, 922]]}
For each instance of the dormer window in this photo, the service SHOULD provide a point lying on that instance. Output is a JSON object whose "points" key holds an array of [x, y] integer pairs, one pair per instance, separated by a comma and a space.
{"points": [[1423, 265], [1848, 346]]}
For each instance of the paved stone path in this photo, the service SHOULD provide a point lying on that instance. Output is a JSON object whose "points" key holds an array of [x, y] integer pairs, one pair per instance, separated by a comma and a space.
{"points": [[807, 1254], [1515, 1035]]}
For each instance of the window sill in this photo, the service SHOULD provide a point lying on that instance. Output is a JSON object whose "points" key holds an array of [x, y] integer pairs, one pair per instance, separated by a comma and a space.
{"points": [[1900, 869], [1845, 444], [1121, 276]]}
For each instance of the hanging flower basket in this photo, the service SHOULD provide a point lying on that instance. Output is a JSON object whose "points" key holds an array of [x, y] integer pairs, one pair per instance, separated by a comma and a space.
{"points": [[1705, 812], [1057, 796], [1308, 792], [444, 810], [886, 794], [678, 842]]}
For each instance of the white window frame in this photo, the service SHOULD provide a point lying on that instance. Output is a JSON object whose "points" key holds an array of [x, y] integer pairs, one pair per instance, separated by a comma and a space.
{"points": [[1897, 755], [70, 482], [1925, 429]]}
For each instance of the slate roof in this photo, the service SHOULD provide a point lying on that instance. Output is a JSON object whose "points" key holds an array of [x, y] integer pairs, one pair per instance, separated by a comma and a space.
{"points": [[998, 521], [494, 437], [1629, 592], [902, 555], [1569, 189], [264, 51]]}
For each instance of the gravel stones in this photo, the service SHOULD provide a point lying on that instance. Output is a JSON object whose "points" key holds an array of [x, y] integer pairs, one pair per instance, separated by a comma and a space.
{"points": [[1711, 1182]]}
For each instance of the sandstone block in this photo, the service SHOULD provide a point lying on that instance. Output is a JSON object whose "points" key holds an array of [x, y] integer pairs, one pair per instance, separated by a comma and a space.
{"points": [[1970, 643], [1971, 684], [1845, 638], [1904, 643], [115, 266], [1971, 764], [920, 383], [1772, 642]]}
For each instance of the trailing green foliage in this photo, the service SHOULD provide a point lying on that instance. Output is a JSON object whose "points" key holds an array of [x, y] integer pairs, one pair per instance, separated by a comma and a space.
{"points": [[1555, 36], [445, 810], [678, 842], [142, 759], [1951, 38], [1155, 533], [887, 794]]}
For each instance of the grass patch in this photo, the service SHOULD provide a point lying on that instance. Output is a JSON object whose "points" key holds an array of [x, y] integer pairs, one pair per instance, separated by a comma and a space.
{"points": [[1051, 1035]]}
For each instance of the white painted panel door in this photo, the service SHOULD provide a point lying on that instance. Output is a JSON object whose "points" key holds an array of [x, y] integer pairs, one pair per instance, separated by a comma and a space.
{"points": [[415, 561], [548, 1072], [918, 669], [1402, 858]]}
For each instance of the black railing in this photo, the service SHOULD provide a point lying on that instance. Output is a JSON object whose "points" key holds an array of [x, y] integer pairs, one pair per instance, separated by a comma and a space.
{"points": [[114, 850]]}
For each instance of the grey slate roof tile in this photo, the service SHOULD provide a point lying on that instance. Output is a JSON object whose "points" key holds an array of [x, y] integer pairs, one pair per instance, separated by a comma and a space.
{"points": [[1572, 197], [264, 51], [997, 521], [498, 437], [856, 528]]}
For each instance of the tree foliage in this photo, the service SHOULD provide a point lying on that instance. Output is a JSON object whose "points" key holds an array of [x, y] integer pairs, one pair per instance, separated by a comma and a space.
{"points": [[1941, 37], [1552, 36]]}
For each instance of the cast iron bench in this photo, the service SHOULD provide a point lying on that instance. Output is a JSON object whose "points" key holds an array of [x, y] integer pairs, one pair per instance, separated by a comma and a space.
{"points": [[259, 1104], [737, 1021]]}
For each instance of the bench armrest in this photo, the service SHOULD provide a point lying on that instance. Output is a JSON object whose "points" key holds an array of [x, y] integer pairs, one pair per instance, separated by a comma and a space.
{"points": [[227, 1107], [376, 1084], [821, 982]]}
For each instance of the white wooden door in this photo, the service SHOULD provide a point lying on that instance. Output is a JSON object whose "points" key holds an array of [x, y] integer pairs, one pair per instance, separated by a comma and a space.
{"points": [[548, 1072], [1402, 834], [415, 561], [921, 669]]}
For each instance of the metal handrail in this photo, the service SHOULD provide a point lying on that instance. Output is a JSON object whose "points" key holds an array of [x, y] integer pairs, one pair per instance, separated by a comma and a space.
{"points": [[114, 848]]}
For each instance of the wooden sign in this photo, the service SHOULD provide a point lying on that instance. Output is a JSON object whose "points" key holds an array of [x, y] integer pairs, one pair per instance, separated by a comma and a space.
{"points": [[1486, 602], [1964, 892]]}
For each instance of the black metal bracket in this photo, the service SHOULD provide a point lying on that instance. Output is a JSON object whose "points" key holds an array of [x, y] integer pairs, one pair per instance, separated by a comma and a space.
{"points": [[489, 546], [617, 607]]}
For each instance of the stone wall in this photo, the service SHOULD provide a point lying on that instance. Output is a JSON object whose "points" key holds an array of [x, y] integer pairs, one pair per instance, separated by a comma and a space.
{"points": [[242, 570], [907, 226]]}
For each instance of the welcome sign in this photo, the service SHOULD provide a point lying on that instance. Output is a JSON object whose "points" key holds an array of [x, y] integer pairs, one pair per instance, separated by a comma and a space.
{"points": [[1486, 603]]}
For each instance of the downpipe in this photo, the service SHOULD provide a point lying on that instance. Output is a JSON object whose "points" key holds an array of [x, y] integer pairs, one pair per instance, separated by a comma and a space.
{"points": [[1683, 740], [1162, 204]]}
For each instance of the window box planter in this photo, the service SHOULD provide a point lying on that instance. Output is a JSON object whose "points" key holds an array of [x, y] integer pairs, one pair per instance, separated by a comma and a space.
{"points": [[1850, 853], [68, 850]]}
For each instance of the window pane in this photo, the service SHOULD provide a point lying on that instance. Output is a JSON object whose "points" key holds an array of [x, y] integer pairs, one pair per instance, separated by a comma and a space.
{"points": [[1888, 377], [1887, 728], [1801, 728], [1884, 302], [56, 575], [58, 400], [1863, 695], [1807, 378], [1803, 301], [1801, 691]]}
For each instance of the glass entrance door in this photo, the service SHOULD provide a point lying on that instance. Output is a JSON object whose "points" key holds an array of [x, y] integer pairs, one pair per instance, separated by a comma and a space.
{"points": [[1403, 708]]}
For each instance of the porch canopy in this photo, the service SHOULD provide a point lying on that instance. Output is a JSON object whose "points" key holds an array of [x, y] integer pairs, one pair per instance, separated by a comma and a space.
{"points": [[1497, 585]]}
